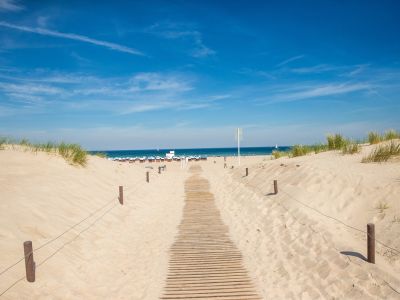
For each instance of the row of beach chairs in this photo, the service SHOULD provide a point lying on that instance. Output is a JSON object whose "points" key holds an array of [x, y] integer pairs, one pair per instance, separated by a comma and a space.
{"points": [[157, 159]]}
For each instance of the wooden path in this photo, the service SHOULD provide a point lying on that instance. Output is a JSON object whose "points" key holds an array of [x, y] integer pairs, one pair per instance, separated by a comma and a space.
{"points": [[204, 262]]}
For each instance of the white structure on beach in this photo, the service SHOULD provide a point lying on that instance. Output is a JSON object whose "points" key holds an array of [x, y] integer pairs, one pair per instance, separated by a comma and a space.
{"points": [[170, 155], [239, 135]]}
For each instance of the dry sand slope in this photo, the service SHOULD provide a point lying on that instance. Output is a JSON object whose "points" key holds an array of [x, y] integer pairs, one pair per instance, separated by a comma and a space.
{"points": [[122, 252], [291, 250], [124, 255]]}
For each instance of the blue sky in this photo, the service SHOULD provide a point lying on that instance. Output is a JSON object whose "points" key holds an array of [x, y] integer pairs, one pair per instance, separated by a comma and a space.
{"points": [[173, 74]]}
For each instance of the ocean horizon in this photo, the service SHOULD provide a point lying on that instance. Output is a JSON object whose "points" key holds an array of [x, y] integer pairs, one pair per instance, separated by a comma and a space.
{"points": [[205, 152]]}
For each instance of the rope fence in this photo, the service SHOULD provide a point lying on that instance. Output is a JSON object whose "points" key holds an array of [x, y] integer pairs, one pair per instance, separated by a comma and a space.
{"points": [[117, 200], [321, 213]]}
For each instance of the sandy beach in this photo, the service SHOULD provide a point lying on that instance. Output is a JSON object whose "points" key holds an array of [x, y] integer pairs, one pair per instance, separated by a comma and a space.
{"points": [[302, 243]]}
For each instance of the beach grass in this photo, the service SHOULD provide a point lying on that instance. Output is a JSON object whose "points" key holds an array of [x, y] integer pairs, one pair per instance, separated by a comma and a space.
{"points": [[351, 148], [374, 137], [391, 135], [336, 141], [382, 206], [101, 154], [3, 141], [300, 150], [383, 152], [278, 154], [72, 153], [318, 148]]}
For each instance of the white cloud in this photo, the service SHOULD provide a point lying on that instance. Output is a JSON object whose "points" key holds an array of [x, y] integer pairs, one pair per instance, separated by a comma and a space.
{"points": [[73, 36], [140, 93], [317, 90], [10, 5], [159, 82], [179, 31], [29, 89], [289, 60]]}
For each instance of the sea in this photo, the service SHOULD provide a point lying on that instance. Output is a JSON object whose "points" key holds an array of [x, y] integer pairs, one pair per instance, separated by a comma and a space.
{"points": [[204, 152]]}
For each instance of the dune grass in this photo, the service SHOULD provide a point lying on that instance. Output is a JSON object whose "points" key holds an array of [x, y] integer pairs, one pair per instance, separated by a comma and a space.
{"points": [[318, 148], [72, 153], [336, 141], [382, 206], [383, 153], [374, 137], [300, 150], [101, 154], [391, 135], [351, 148], [278, 154], [3, 141]]}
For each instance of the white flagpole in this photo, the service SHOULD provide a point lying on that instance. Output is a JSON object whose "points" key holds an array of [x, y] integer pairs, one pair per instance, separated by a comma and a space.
{"points": [[238, 138]]}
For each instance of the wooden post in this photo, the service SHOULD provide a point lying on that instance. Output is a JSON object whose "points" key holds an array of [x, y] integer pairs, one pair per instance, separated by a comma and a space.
{"points": [[247, 172], [29, 262], [147, 176], [121, 195], [159, 170], [276, 187], [371, 242]]}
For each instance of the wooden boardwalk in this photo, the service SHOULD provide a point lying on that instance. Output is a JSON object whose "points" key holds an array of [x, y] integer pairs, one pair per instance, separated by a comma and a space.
{"points": [[204, 262]]}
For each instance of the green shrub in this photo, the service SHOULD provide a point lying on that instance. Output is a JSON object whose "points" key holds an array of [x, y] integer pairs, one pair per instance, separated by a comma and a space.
{"points": [[383, 152], [374, 138]]}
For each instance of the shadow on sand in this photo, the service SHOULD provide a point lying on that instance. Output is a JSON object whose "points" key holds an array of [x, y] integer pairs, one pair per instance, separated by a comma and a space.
{"points": [[355, 254]]}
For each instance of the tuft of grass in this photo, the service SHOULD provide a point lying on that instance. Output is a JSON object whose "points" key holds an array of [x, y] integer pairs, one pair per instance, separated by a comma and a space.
{"points": [[278, 154], [374, 138], [391, 135], [101, 154], [382, 206], [351, 148], [72, 153], [336, 141], [3, 141], [24, 142], [318, 148], [300, 150], [383, 153]]}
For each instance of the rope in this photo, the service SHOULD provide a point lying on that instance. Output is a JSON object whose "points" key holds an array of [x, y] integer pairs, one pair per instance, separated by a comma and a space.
{"points": [[328, 216], [341, 222], [60, 235], [55, 238]]}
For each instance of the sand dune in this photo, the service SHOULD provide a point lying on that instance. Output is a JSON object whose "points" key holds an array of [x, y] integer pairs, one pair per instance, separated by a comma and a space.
{"points": [[294, 252], [122, 252], [124, 255]]}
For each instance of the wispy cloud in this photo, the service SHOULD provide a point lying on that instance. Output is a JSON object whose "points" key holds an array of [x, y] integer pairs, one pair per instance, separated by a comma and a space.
{"points": [[317, 69], [158, 82], [289, 60], [139, 93], [318, 90], [169, 30], [73, 36], [10, 5]]}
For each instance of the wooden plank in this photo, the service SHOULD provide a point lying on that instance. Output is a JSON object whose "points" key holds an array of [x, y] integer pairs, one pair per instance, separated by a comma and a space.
{"points": [[204, 262]]}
